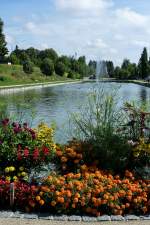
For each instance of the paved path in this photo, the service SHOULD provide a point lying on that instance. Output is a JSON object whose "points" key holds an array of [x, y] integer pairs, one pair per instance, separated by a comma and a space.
{"points": [[12, 221]]}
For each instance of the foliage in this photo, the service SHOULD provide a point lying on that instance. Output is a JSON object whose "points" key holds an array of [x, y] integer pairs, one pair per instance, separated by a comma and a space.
{"points": [[3, 44], [96, 124], [24, 146], [28, 67], [47, 67], [110, 69], [91, 191], [137, 130], [60, 68], [144, 67]]}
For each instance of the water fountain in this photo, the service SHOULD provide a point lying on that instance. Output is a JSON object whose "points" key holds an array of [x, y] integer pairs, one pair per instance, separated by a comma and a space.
{"points": [[101, 70]]}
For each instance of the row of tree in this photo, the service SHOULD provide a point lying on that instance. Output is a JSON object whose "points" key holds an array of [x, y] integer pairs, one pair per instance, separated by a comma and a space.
{"points": [[50, 62], [128, 70]]}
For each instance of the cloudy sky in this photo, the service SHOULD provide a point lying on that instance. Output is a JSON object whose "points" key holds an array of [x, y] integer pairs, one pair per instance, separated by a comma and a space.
{"points": [[99, 29]]}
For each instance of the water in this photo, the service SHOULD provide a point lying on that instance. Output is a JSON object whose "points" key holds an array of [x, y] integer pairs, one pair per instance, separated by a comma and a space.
{"points": [[101, 70], [54, 104]]}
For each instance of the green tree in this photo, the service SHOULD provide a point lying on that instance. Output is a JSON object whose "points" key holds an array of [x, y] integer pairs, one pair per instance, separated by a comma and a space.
{"points": [[143, 66], [28, 67], [110, 68], [14, 59], [3, 44], [125, 65], [33, 55], [92, 67], [60, 68], [47, 67], [48, 53]]}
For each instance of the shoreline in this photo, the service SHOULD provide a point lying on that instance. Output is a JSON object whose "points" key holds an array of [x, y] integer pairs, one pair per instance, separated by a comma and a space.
{"points": [[18, 87], [109, 80], [28, 86]]}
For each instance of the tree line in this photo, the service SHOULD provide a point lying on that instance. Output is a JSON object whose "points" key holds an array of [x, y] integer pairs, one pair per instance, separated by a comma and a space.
{"points": [[70, 66]]}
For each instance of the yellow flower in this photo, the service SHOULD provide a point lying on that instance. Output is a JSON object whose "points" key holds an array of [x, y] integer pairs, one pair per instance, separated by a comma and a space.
{"points": [[12, 169], [8, 178], [7, 170]]}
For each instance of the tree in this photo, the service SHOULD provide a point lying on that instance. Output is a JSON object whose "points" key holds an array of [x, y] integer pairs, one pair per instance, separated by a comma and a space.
{"points": [[47, 67], [125, 65], [48, 53], [33, 55], [110, 68], [3, 43], [143, 66], [14, 59], [92, 67], [60, 68], [28, 67]]}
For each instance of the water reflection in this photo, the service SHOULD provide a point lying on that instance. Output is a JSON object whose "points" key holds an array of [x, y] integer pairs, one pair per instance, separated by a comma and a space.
{"points": [[143, 94]]}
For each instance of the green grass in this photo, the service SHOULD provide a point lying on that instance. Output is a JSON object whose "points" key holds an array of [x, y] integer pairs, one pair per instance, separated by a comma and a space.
{"points": [[14, 74]]}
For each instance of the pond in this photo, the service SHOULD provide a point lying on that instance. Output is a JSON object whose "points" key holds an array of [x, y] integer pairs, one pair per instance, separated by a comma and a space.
{"points": [[54, 104]]}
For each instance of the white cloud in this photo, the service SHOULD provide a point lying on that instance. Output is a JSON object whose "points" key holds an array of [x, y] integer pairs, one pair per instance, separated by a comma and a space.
{"points": [[128, 16], [44, 46], [9, 39], [140, 43], [83, 5], [98, 43], [95, 28], [38, 29]]}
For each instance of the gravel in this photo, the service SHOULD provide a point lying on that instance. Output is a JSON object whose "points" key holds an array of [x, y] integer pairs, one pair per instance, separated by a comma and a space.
{"points": [[13, 221]]}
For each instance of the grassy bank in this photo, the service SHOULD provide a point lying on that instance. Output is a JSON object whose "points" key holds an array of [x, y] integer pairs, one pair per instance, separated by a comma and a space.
{"points": [[14, 75]]}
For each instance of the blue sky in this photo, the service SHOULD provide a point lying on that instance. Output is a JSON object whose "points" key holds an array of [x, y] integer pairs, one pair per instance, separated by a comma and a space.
{"points": [[99, 29]]}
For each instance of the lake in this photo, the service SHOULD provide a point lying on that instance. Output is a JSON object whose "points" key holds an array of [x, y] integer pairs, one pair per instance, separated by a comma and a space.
{"points": [[54, 104]]}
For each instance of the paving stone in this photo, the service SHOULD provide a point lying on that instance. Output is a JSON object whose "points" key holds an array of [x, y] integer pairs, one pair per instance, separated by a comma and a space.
{"points": [[6, 214], [30, 216], [61, 218], [145, 217], [89, 219], [104, 218], [117, 218], [45, 216], [132, 217], [74, 218], [18, 214]]}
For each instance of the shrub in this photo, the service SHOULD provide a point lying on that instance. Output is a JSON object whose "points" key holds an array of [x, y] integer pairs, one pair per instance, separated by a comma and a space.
{"points": [[47, 67], [60, 68], [97, 125], [23, 146], [28, 67]]}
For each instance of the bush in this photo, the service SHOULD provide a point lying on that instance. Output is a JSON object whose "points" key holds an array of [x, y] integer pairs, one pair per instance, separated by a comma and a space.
{"points": [[47, 67], [28, 67], [97, 125], [60, 68], [23, 146]]}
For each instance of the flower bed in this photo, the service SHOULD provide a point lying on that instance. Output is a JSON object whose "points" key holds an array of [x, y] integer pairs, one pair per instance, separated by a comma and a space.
{"points": [[77, 187]]}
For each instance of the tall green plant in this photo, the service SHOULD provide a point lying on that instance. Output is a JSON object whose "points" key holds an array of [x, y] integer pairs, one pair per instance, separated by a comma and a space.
{"points": [[97, 124]]}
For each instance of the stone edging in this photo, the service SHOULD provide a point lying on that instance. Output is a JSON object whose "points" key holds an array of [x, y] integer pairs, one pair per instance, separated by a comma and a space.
{"points": [[46, 216]]}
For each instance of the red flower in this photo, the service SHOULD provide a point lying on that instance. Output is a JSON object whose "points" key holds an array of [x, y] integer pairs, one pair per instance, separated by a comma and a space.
{"points": [[19, 155], [45, 151], [36, 154], [26, 152]]}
